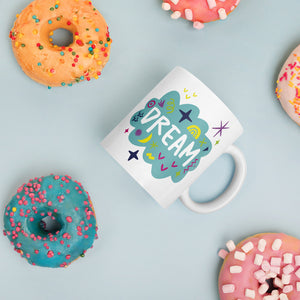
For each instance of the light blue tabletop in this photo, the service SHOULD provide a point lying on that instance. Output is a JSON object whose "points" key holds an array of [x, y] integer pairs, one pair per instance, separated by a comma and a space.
{"points": [[146, 252]]}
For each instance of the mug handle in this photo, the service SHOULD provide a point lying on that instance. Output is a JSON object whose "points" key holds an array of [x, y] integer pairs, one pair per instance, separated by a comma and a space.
{"points": [[231, 191]]}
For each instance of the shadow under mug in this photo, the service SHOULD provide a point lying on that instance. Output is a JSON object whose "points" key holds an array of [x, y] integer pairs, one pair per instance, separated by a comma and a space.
{"points": [[172, 136]]}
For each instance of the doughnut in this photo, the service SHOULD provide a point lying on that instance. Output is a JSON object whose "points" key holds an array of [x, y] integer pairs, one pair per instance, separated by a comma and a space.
{"points": [[50, 221], [200, 11], [288, 86], [53, 65], [265, 266]]}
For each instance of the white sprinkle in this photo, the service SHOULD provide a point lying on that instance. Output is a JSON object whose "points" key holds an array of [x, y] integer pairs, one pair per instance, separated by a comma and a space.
{"points": [[297, 260], [222, 253], [166, 6], [228, 288], [239, 255], [275, 293], [175, 1], [298, 286], [235, 269], [247, 247], [271, 275], [258, 259], [188, 14], [230, 245], [297, 273], [286, 279], [198, 25], [288, 258], [278, 282], [263, 288], [288, 269], [270, 297], [275, 261], [222, 13], [237, 2], [276, 244], [262, 245], [211, 3], [250, 293], [232, 7], [287, 289], [176, 15], [283, 296]]}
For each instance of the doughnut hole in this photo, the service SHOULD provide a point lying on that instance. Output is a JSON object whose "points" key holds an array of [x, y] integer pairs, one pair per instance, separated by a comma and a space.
{"points": [[45, 225], [61, 37]]}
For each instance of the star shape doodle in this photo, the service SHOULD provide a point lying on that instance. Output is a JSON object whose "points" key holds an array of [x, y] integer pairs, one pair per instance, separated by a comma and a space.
{"points": [[202, 142], [133, 155], [221, 128], [185, 115], [153, 145]]}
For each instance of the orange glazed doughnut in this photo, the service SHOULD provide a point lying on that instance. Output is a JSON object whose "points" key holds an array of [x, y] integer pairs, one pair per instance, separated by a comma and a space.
{"points": [[53, 65], [265, 266]]}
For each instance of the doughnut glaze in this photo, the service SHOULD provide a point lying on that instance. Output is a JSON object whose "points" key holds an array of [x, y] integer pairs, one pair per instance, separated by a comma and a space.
{"points": [[200, 11], [288, 86], [265, 266], [52, 65], [66, 203]]}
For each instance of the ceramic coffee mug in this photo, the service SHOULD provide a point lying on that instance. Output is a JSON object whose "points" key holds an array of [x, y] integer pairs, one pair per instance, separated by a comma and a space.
{"points": [[177, 131]]}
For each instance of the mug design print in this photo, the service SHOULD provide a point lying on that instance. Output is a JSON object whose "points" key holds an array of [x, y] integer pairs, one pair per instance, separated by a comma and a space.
{"points": [[173, 136]]}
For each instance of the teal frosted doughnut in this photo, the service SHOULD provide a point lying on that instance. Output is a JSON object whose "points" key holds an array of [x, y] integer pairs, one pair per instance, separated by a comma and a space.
{"points": [[67, 206]]}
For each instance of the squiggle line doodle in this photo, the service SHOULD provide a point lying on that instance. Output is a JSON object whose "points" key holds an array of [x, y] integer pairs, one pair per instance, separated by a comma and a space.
{"points": [[191, 165], [150, 156], [170, 106]]}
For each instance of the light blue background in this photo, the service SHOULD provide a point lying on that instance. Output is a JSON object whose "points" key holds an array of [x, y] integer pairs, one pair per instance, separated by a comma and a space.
{"points": [[146, 252]]}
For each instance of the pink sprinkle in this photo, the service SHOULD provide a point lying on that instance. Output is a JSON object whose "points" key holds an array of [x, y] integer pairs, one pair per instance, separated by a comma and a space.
{"points": [[50, 186], [50, 203], [50, 254], [36, 251], [56, 177], [68, 256], [31, 219], [69, 219]]}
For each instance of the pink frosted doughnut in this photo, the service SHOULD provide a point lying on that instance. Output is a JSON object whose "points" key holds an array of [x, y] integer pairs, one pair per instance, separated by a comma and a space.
{"points": [[288, 86], [265, 266], [200, 11]]}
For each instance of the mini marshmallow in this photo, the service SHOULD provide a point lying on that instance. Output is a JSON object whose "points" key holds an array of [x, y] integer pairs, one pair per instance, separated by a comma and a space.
{"points": [[276, 244], [239, 255], [223, 253], [297, 260], [297, 273], [235, 269], [259, 274], [288, 258], [288, 269], [198, 25], [211, 3], [248, 247], [287, 289], [222, 13], [176, 15], [258, 259], [230, 245], [228, 288], [271, 275], [265, 266], [175, 1], [283, 296], [189, 14], [286, 279], [269, 297], [262, 245], [275, 293], [274, 269], [263, 288], [275, 261], [250, 293], [298, 286], [166, 6], [278, 282]]}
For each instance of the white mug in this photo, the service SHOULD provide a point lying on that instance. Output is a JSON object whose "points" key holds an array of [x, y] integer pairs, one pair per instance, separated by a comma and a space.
{"points": [[177, 131]]}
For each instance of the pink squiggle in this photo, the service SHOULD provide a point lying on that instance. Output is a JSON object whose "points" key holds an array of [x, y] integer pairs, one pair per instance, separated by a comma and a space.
{"points": [[191, 165]]}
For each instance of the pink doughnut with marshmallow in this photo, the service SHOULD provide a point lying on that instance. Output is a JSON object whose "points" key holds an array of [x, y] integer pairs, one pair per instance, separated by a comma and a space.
{"points": [[265, 266], [200, 11]]}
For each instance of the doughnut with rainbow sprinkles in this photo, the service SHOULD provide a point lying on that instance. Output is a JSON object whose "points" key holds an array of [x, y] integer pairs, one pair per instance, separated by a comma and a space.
{"points": [[288, 86], [53, 65], [265, 266], [51, 221], [200, 11]]}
